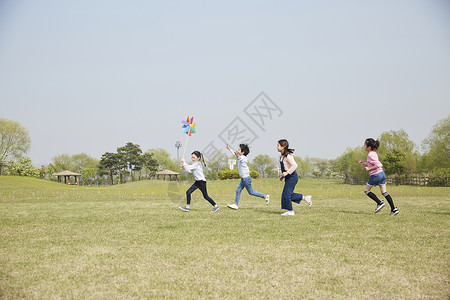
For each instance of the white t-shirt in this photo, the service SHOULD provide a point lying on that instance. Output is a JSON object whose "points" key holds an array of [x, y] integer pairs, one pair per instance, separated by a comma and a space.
{"points": [[196, 169], [242, 162]]}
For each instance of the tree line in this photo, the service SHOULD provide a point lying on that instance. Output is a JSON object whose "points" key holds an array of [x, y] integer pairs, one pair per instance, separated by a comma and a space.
{"points": [[398, 154]]}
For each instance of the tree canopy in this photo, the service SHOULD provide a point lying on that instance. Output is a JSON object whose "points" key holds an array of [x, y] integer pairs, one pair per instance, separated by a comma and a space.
{"points": [[15, 141]]}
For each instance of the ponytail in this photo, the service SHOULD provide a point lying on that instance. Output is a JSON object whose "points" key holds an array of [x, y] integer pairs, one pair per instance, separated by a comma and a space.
{"points": [[200, 156], [285, 145], [370, 142]]}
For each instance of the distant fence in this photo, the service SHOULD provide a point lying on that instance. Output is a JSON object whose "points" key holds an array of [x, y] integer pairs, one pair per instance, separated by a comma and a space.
{"points": [[412, 179], [422, 180]]}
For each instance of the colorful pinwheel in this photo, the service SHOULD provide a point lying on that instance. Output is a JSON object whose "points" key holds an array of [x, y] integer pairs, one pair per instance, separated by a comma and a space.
{"points": [[188, 126], [189, 129]]}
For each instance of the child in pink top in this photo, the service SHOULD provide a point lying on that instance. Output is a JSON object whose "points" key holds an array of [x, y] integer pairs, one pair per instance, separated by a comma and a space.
{"points": [[373, 163], [377, 176]]}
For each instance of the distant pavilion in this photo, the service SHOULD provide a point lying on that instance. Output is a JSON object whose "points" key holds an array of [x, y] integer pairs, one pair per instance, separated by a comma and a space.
{"points": [[67, 175], [169, 173]]}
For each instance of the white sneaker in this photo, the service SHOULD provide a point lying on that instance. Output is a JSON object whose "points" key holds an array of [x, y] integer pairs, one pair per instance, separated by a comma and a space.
{"points": [[233, 206], [288, 213], [267, 199], [308, 200]]}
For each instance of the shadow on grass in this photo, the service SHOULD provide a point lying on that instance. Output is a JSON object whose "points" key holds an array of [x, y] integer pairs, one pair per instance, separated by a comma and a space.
{"points": [[256, 209], [268, 211], [354, 212]]}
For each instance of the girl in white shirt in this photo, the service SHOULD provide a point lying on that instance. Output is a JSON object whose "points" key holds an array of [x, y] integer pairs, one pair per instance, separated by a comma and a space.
{"points": [[200, 180]]}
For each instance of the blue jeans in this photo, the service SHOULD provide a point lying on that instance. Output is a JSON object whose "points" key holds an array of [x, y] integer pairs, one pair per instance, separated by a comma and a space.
{"points": [[288, 196], [246, 183], [202, 186]]}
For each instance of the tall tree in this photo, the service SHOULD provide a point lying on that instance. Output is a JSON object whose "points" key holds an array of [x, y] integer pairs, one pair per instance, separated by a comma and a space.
{"points": [[347, 165], [149, 163], [60, 163], [162, 156], [130, 155], [83, 161], [23, 167], [437, 146], [390, 140], [321, 166], [397, 149], [75, 163], [14, 141], [305, 166], [109, 164], [262, 162]]}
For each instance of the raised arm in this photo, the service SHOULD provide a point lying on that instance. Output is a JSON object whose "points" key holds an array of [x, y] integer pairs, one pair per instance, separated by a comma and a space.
{"points": [[231, 150]]}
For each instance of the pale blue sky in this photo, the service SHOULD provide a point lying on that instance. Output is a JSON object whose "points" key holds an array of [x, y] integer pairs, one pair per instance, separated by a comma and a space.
{"points": [[89, 76]]}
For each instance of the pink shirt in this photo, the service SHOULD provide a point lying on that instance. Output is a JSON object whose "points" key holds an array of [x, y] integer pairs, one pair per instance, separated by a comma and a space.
{"points": [[372, 161], [289, 163]]}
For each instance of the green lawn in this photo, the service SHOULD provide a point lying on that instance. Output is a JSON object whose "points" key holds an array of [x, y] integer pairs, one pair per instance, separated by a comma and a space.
{"points": [[132, 241]]}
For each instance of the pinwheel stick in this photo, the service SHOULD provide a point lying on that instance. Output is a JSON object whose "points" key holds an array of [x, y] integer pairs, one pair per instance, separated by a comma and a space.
{"points": [[185, 145]]}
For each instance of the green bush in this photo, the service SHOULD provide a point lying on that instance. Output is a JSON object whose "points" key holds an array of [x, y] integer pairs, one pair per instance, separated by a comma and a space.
{"points": [[234, 174], [254, 174], [224, 174]]}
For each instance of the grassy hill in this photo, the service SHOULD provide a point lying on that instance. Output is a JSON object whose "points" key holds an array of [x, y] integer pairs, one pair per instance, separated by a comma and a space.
{"points": [[132, 241]]}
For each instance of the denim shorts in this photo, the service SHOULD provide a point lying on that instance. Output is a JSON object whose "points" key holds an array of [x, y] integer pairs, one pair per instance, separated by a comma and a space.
{"points": [[377, 179]]}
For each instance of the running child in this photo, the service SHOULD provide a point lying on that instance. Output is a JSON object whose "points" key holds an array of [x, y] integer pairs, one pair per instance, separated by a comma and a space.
{"points": [[377, 176], [288, 167], [244, 172], [200, 180]]}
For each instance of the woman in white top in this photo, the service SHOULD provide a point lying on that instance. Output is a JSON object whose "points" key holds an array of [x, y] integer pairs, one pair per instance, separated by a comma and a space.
{"points": [[288, 167], [200, 180]]}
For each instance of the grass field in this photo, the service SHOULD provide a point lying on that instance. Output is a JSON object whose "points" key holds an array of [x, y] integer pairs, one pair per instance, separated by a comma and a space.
{"points": [[131, 242]]}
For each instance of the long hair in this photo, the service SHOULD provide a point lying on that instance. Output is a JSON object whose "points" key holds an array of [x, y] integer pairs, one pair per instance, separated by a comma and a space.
{"points": [[200, 157], [370, 142], [285, 145]]}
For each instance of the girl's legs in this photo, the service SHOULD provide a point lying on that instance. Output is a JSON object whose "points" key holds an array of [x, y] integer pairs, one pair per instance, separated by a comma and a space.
{"points": [[286, 195], [387, 196], [371, 195], [189, 192], [202, 188], [288, 192], [296, 197]]}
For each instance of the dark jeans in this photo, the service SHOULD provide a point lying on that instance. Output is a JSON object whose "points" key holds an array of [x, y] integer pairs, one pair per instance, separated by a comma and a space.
{"points": [[202, 186], [288, 196]]}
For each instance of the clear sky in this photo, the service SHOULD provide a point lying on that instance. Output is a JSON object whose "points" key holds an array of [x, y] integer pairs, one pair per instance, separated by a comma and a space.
{"points": [[89, 76]]}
